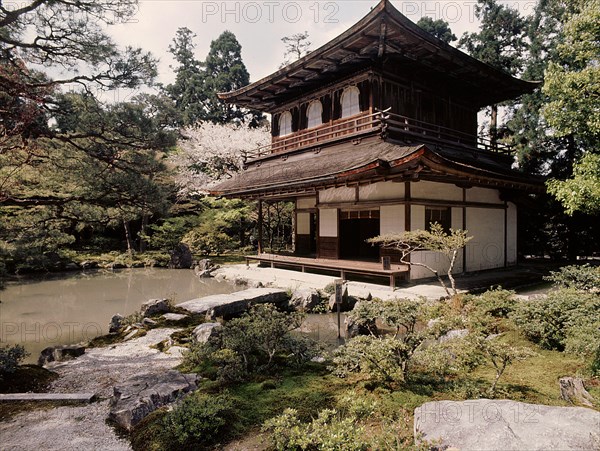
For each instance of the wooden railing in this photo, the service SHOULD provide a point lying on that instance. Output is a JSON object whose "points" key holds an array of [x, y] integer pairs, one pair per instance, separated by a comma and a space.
{"points": [[347, 127], [403, 125], [382, 121]]}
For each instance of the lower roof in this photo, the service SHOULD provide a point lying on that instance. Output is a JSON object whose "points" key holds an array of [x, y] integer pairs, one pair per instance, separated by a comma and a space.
{"points": [[373, 159]]}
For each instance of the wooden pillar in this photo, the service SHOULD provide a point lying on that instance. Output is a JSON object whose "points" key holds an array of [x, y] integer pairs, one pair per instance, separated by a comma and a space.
{"points": [[260, 227], [505, 234], [464, 228]]}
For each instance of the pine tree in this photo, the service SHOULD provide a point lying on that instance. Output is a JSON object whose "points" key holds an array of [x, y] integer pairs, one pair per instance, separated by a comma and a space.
{"points": [[439, 28]]}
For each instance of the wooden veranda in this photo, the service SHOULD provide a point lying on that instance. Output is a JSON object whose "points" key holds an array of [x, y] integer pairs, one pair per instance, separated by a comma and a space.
{"points": [[343, 267]]}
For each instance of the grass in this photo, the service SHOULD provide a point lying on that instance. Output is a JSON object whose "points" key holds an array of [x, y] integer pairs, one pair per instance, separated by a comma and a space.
{"points": [[27, 378]]}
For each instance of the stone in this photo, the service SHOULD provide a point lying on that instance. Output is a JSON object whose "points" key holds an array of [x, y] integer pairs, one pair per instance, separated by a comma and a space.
{"points": [[116, 323], [507, 425], [205, 268], [347, 304], [305, 299], [572, 390], [72, 266], [155, 307], [88, 264], [204, 332], [149, 322], [181, 257], [142, 394], [354, 330], [131, 334], [60, 353], [452, 334], [233, 304], [174, 317]]}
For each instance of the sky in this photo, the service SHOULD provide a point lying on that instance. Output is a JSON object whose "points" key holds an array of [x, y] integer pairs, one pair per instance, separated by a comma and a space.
{"points": [[260, 25]]}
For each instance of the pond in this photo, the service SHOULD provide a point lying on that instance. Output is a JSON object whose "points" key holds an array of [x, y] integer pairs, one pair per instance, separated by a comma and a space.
{"points": [[78, 307]]}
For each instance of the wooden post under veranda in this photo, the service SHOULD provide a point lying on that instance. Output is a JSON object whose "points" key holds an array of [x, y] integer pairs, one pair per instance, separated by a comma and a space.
{"points": [[260, 227]]}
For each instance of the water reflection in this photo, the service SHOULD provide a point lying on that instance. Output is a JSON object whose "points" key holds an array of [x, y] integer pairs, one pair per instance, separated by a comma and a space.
{"points": [[74, 308]]}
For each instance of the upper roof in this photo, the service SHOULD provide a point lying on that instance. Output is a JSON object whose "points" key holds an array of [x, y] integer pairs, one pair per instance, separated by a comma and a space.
{"points": [[381, 35], [369, 160]]}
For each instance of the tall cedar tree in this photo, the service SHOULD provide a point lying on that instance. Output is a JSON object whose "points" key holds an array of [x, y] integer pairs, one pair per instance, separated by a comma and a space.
{"points": [[439, 28], [500, 43]]}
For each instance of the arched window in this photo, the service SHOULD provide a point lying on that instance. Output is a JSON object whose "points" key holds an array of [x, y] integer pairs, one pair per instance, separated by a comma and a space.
{"points": [[285, 123], [350, 101], [315, 114]]}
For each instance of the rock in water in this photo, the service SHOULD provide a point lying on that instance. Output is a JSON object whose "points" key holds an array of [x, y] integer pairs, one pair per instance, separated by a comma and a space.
{"points": [[181, 257], [155, 307], [507, 425], [572, 390], [305, 299], [142, 394], [205, 331], [205, 268], [60, 353], [347, 304], [116, 323]]}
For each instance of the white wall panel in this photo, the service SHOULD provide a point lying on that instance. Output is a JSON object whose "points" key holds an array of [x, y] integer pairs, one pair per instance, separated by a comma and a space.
{"points": [[328, 222], [391, 219]]}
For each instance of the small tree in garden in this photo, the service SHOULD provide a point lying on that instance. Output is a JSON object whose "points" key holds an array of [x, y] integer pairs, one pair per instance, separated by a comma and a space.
{"points": [[436, 240]]}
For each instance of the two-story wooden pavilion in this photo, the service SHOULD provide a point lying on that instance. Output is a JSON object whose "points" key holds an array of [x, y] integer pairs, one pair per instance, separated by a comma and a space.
{"points": [[376, 132]]}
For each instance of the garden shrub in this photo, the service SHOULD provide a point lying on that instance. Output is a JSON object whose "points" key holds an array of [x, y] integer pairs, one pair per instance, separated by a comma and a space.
{"points": [[10, 358], [579, 277], [385, 358], [252, 343], [496, 302], [200, 420]]}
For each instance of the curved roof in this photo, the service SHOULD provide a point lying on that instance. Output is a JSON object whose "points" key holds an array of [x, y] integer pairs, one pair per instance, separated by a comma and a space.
{"points": [[382, 35]]}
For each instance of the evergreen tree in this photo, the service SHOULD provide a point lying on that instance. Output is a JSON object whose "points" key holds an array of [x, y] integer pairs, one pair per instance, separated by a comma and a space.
{"points": [[225, 71], [439, 28], [188, 91], [500, 43], [296, 46]]}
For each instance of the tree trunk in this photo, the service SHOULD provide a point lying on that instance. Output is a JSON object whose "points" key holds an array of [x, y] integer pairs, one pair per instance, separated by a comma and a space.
{"points": [[572, 390], [144, 225], [128, 237], [494, 126]]}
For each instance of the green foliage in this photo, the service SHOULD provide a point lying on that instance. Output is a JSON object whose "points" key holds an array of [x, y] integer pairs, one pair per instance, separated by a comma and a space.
{"points": [[10, 358], [436, 239], [582, 191], [550, 320], [329, 431], [578, 277], [385, 358], [200, 420], [249, 344], [495, 302], [439, 28]]}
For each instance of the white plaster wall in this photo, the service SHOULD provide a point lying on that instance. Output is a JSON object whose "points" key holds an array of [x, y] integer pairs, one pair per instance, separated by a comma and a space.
{"points": [[306, 202], [303, 223], [512, 234], [381, 191], [436, 260], [483, 195], [341, 194], [436, 191], [391, 219], [328, 222], [486, 249]]}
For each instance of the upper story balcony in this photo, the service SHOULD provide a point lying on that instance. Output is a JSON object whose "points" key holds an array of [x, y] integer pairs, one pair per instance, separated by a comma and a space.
{"points": [[384, 122]]}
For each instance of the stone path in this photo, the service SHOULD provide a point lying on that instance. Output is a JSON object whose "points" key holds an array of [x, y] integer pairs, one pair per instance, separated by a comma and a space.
{"points": [[98, 370]]}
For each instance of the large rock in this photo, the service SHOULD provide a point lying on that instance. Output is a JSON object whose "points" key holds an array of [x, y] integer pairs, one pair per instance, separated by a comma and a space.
{"points": [[205, 331], [60, 353], [354, 330], [485, 424], [205, 268], [116, 323], [144, 393], [347, 304], [305, 299], [174, 317], [229, 305], [181, 257], [452, 334], [155, 307]]}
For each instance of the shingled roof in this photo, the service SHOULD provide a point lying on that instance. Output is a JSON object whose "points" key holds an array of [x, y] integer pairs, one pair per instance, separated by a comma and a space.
{"points": [[381, 36], [370, 160]]}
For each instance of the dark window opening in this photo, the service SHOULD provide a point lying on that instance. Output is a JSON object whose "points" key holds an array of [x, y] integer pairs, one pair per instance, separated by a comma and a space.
{"points": [[441, 215]]}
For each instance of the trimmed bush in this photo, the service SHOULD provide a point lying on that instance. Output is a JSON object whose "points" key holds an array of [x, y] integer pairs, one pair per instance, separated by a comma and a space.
{"points": [[200, 420], [10, 358], [578, 277]]}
